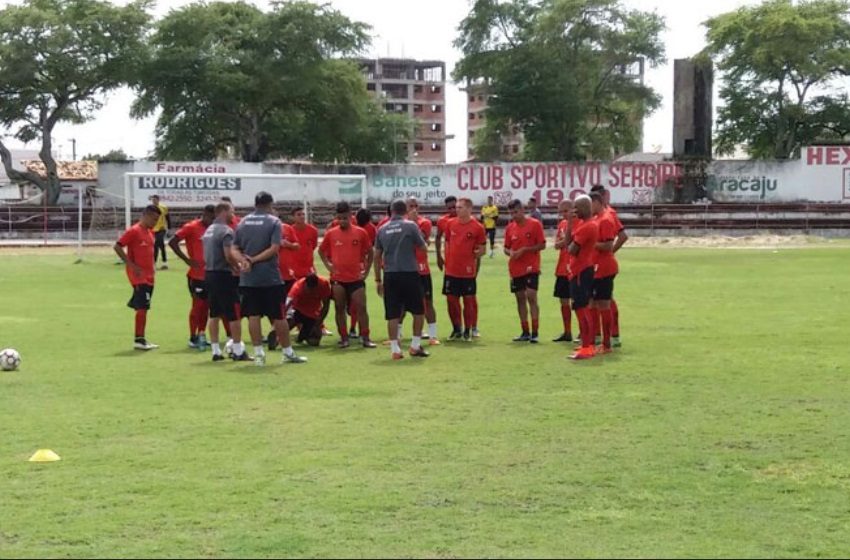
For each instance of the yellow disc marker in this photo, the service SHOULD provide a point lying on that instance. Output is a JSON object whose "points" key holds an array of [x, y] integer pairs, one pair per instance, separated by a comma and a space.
{"points": [[44, 456]]}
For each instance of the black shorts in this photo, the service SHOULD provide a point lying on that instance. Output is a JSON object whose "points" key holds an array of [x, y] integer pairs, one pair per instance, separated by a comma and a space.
{"points": [[562, 287], [198, 289], [262, 301], [581, 288], [287, 285], [491, 234], [223, 295], [527, 282], [308, 328], [350, 287], [603, 288], [402, 293], [427, 286], [459, 287], [141, 298]]}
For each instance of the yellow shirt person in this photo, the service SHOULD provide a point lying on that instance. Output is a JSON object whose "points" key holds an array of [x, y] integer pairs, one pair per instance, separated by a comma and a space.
{"points": [[159, 231], [490, 215]]}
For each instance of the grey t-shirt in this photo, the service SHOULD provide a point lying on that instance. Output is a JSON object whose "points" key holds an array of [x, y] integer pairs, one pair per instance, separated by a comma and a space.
{"points": [[537, 215], [254, 234], [215, 239], [398, 240]]}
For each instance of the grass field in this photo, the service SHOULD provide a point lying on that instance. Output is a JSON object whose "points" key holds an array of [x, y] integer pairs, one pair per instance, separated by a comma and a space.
{"points": [[719, 429]]}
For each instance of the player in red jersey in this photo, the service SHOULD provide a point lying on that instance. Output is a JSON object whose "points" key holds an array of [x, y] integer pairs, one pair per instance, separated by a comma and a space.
{"points": [[425, 227], [307, 236], [192, 233], [466, 241], [307, 306], [585, 235], [363, 219], [138, 258], [621, 239], [286, 255], [451, 213], [606, 268], [524, 240], [347, 253], [562, 270]]}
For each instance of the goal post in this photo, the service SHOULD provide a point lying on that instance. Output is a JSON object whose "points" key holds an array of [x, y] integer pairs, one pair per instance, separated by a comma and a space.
{"points": [[195, 190]]}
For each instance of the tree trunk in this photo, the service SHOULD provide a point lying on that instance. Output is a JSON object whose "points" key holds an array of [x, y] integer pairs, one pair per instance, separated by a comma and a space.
{"points": [[15, 175], [52, 187]]}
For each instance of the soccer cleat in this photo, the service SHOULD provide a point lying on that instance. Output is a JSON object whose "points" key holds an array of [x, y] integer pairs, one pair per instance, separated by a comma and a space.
{"points": [[425, 336], [492, 253], [456, 335], [535, 338], [387, 342], [293, 359], [218, 358], [615, 342], [260, 360], [193, 341], [326, 332], [368, 343], [524, 337], [566, 337], [164, 267], [603, 349], [398, 356], [202, 342], [418, 352], [142, 344], [271, 341], [583, 353], [243, 357], [434, 342], [476, 333], [353, 334], [467, 335], [344, 343]]}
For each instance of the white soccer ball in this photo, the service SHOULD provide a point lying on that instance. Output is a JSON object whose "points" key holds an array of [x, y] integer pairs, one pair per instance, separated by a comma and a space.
{"points": [[10, 359]]}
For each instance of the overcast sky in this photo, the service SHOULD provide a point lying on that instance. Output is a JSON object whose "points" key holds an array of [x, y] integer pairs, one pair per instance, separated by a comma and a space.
{"points": [[417, 29]]}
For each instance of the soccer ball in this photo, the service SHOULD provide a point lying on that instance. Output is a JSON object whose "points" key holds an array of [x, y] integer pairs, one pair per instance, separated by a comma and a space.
{"points": [[10, 359]]}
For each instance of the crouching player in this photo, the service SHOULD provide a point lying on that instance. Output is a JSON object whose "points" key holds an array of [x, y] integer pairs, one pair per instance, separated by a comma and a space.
{"points": [[307, 306]]}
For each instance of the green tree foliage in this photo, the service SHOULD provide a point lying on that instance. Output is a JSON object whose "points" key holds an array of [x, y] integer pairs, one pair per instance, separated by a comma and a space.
{"points": [[57, 58], [112, 155], [232, 79], [559, 69], [784, 66]]}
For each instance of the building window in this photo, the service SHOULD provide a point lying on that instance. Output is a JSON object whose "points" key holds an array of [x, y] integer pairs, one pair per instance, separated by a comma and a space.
{"points": [[417, 108], [516, 148], [436, 89], [370, 87], [480, 98], [417, 89], [472, 99], [436, 108], [436, 127], [472, 116], [436, 147], [418, 147]]}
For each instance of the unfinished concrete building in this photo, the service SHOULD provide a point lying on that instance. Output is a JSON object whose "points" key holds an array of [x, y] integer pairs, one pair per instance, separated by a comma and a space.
{"points": [[418, 89]]}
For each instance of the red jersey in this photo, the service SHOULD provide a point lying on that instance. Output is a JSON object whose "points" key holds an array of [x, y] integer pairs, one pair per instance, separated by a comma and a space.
{"points": [[301, 261], [425, 227], [286, 256], [461, 242], [309, 302], [383, 222], [606, 263], [518, 236], [443, 222], [347, 250], [191, 233], [372, 231], [614, 216], [563, 267], [139, 243], [234, 222], [585, 235]]}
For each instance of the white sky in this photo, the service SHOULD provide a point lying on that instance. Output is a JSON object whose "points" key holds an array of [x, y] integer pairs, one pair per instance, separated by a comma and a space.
{"points": [[417, 29]]}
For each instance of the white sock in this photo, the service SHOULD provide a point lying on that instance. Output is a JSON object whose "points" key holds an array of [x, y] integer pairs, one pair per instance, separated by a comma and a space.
{"points": [[238, 348], [396, 349], [216, 348], [432, 330], [258, 351], [416, 343], [288, 351]]}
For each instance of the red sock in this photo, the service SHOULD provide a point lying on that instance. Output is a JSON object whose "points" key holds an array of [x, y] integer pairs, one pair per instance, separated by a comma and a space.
{"points": [[535, 325], [524, 326], [141, 321], [343, 333], [615, 319], [597, 322], [566, 315], [587, 331], [364, 332], [454, 311], [197, 317], [473, 303], [203, 315], [607, 320], [468, 312]]}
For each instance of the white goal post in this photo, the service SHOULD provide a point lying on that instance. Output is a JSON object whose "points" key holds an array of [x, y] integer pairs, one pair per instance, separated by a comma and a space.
{"points": [[240, 187]]}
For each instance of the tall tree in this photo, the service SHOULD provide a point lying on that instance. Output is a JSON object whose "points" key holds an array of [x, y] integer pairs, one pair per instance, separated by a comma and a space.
{"points": [[561, 70], [785, 66], [232, 79], [57, 58]]}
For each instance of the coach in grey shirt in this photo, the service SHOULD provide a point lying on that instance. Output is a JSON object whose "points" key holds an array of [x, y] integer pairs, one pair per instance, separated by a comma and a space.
{"points": [[395, 255], [256, 247]]}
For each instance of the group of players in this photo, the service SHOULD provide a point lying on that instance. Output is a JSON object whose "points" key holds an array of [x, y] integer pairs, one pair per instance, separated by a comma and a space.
{"points": [[260, 267]]}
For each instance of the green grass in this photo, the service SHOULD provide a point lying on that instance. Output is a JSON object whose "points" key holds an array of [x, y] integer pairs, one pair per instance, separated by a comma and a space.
{"points": [[720, 429]]}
